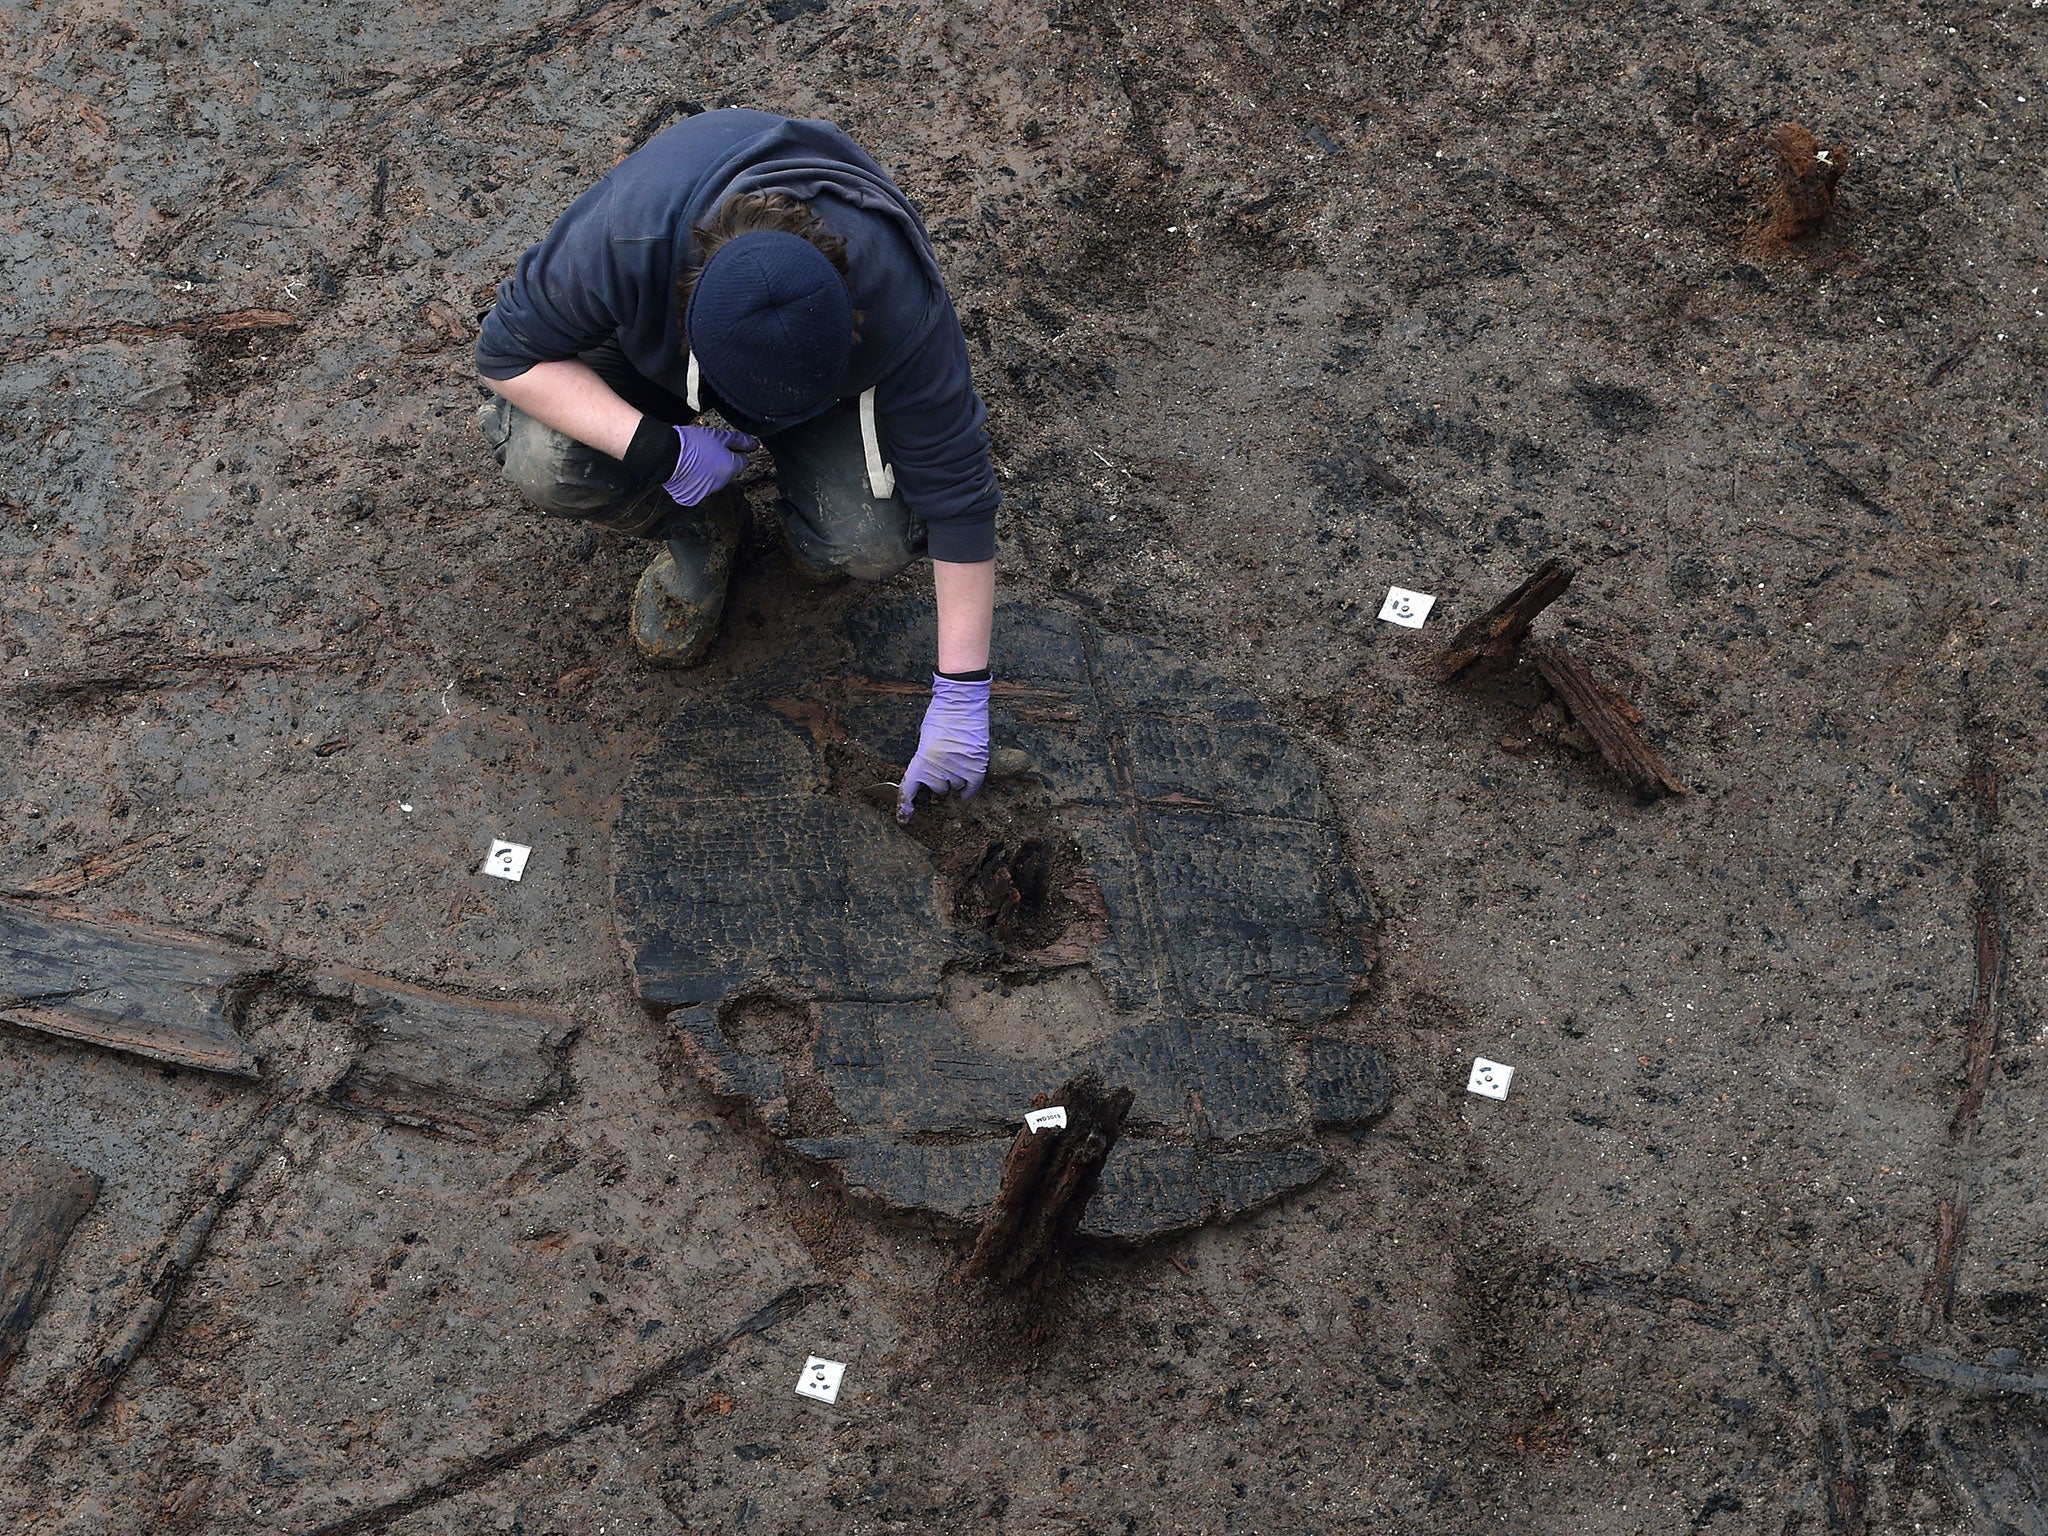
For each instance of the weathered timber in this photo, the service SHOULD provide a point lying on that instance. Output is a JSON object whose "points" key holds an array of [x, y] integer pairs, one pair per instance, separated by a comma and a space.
{"points": [[1170, 866], [45, 1200], [1490, 644], [1606, 716], [147, 1301], [1048, 1180], [125, 986], [98, 866], [444, 1062], [1964, 1375], [438, 1060], [615, 1409]]}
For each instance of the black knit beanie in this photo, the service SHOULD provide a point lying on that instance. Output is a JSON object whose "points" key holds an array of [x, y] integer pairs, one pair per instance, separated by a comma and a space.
{"points": [[771, 325]]}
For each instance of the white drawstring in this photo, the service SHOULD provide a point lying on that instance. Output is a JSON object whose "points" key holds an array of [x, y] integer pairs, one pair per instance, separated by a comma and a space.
{"points": [[881, 477]]}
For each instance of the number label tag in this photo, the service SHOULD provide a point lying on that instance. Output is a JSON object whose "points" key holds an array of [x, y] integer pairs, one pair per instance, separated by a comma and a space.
{"points": [[507, 861], [1408, 609], [820, 1379]]}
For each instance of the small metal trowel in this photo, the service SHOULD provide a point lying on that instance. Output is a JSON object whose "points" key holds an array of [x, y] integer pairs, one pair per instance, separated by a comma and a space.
{"points": [[1003, 763]]}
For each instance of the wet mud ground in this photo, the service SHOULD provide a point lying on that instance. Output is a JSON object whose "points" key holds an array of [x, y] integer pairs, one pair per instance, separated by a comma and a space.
{"points": [[1273, 306]]}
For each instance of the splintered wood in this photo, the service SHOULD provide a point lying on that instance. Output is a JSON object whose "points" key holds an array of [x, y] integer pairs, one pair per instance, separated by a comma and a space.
{"points": [[1490, 644], [1607, 717], [1497, 641], [149, 1297], [1047, 1182], [122, 985], [44, 1201]]}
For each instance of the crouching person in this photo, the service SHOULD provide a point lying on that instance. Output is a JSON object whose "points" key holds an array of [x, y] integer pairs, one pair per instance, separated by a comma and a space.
{"points": [[764, 269]]}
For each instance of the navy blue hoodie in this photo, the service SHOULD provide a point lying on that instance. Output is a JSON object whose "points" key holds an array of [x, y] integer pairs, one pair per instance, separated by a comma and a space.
{"points": [[608, 269]]}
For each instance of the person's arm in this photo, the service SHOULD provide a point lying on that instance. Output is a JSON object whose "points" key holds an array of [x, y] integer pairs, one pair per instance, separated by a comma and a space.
{"points": [[571, 398], [935, 437], [966, 598], [691, 462], [953, 742]]}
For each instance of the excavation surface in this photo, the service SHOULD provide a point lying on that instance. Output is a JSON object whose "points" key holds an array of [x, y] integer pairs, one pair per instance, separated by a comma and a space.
{"points": [[1274, 307]]}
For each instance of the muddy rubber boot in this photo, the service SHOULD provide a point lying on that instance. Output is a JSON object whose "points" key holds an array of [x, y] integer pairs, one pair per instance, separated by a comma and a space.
{"points": [[681, 595], [494, 420]]}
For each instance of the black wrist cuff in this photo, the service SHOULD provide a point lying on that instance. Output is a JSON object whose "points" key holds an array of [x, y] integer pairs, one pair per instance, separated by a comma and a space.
{"points": [[982, 676], [653, 452]]}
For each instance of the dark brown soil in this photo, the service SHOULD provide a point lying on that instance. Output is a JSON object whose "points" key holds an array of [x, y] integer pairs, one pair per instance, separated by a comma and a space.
{"points": [[1274, 306]]}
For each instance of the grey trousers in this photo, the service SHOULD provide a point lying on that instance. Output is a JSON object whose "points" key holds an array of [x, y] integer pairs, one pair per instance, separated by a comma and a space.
{"points": [[832, 522]]}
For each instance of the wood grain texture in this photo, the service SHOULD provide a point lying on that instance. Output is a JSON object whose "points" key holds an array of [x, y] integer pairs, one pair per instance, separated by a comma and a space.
{"points": [[45, 1200], [1607, 717], [126, 986], [1490, 644]]}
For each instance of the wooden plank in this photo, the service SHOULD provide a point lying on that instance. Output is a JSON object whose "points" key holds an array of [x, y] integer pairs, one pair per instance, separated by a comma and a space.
{"points": [[1490, 644], [126, 986], [45, 1200], [445, 1062], [1607, 717]]}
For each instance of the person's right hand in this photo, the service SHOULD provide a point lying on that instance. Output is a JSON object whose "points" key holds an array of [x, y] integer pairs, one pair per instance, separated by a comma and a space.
{"points": [[707, 462]]}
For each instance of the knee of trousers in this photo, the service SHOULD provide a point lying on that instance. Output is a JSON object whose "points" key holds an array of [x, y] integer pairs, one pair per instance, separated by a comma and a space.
{"points": [[565, 478], [868, 542]]}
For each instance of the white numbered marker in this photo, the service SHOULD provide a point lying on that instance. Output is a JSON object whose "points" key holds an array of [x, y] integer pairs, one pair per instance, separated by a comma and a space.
{"points": [[820, 1379], [1490, 1079], [1054, 1119], [1408, 609], [506, 860]]}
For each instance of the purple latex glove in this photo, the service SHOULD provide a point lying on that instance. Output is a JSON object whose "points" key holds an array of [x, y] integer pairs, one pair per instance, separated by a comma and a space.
{"points": [[952, 744], [709, 459]]}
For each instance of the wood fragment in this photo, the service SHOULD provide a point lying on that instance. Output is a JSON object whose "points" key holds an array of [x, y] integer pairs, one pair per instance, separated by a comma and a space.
{"points": [[57, 684], [443, 1062], [1845, 1487], [616, 1409], [1048, 1179], [1607, 717], [98, 866], [45, 1200], [130, 988], [20, 347], [1964, 1375], [1980, 1039], [150, 1298], [1803, 194], [1490, 644], [1950, 1216]]}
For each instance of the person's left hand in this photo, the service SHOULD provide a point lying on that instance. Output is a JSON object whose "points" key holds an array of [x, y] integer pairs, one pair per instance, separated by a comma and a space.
{"points": [[952, 744]]}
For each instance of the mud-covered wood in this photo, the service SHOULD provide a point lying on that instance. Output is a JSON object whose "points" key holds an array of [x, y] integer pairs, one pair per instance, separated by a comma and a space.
{"points": [[142, 1309], [446, 1062], [126, 987], [2008, 1378], [1170, 843], [1490, 644], [1606, 716], [1803, 193], [44, 1199], [1347, 1082], [1048, 1180]]}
